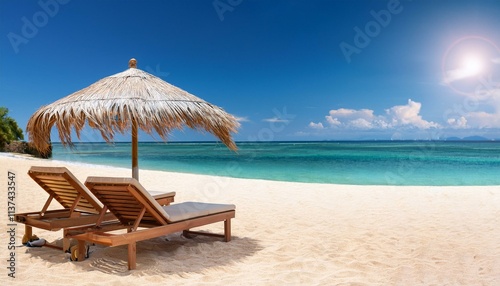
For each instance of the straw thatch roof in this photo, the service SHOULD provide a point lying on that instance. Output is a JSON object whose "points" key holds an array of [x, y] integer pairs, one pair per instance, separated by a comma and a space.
{"points": [[114, 103]]}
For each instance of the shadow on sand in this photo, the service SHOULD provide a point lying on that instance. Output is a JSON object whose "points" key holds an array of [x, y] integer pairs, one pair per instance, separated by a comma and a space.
{"points": [[166, 255]]}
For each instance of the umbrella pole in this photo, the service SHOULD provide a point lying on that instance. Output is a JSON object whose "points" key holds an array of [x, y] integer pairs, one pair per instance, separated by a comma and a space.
{"points": [[135, 143]]}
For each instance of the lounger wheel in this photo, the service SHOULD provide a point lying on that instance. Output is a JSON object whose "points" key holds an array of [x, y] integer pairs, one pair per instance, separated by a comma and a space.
{"points": [[74, 252], [27, 238]]}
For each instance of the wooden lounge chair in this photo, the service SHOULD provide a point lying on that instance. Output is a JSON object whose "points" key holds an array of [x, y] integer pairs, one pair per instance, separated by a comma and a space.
{"points": [[80, 207], [143, 218]]}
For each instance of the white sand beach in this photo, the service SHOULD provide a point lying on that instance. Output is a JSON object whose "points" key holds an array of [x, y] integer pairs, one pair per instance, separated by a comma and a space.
{"points": [[283, 234]]}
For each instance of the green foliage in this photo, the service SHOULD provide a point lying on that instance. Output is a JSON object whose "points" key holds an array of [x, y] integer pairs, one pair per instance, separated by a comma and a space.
{"points": [[9, 131]]}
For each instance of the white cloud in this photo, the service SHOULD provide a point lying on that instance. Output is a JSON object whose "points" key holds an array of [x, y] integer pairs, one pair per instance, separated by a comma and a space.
{"points": [[476, 114], [333, 121], [242, 119], [457, 123], [351, 113], [457, 74], [483, 110], [408, 115], [496, 61], [275, 120], [481, 119], [358, 119], [400, 116], [361, 123], [316, 125]]}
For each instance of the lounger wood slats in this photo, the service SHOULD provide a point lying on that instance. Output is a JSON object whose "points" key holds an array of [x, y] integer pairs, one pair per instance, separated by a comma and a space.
{"points": [[118, 202], [80, 206], [142, 218]]}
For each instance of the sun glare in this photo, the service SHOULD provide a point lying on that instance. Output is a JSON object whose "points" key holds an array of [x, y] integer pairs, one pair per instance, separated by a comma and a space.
{"points": [[467, 63], [472, 65]]}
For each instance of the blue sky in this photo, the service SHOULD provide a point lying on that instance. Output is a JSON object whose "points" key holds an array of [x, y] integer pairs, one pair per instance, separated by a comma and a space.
{"points": [[289, 70]]}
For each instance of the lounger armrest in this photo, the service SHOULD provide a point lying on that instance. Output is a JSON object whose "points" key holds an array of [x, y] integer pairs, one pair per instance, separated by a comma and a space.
{"points": [[163, 199]]}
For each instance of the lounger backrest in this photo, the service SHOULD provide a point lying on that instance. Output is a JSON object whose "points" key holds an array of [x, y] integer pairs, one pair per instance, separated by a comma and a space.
{"points": [[60, 183], [125, 198]]}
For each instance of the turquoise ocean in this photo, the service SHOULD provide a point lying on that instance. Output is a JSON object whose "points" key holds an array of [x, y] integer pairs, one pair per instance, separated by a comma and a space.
{"points": [[417, 163]]}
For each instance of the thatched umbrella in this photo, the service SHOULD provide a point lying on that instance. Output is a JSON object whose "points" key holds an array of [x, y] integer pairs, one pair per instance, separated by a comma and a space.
{"points": [[125, 101]]}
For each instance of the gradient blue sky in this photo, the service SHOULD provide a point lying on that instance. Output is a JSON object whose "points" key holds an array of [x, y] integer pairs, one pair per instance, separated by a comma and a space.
{"points": [[289, 70]]}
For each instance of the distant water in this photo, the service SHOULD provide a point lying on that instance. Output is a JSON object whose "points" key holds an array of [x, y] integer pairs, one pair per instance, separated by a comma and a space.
{"points": [[359, 163]]}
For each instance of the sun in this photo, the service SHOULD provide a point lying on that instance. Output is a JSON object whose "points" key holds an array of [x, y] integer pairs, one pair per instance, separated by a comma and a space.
{"points": [[468, 63], [472, 65]]}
